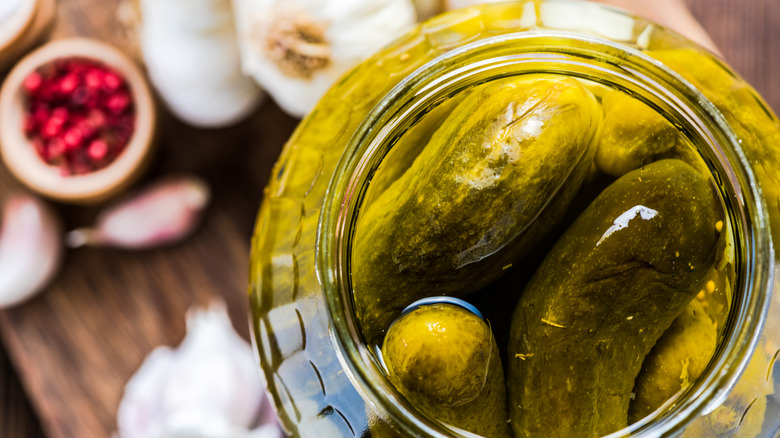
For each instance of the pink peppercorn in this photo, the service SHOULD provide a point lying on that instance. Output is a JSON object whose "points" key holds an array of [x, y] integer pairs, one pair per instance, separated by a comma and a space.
{"points": [[51, 128], [92, 119], [72, 139], [93, 79], [98, 149], [56, 147], [68, 84], [32, 83], [112, 82], [96, 118], [117, 103]]}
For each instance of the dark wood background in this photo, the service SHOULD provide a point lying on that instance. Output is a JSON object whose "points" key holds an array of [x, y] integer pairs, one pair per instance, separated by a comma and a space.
{"points": [[125, 303]]}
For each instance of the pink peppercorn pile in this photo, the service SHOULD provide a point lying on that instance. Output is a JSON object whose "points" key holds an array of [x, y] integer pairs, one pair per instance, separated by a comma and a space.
{"points": [[79, 114]]}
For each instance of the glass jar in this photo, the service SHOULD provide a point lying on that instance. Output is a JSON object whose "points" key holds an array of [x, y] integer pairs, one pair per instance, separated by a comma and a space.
{"points": [[325, 381]]}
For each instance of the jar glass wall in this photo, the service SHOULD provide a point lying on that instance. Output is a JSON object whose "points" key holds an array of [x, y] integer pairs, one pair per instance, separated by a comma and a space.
{"points": [[323, 380]]}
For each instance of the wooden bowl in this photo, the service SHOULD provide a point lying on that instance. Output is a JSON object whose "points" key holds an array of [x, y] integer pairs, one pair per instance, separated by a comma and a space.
{"points": [[20, 155]]}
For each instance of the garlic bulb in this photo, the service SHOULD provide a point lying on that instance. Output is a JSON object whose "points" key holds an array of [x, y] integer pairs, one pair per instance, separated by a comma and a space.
{"points": [[30, 248], [191, 53], [164, 213], [295, 49], [208, 387]]}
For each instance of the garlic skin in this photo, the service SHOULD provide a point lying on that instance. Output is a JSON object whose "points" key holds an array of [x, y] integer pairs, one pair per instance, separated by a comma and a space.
{"points": [[295, 49], [162, 214], [30, 248], [208, 387], [191, 54]]}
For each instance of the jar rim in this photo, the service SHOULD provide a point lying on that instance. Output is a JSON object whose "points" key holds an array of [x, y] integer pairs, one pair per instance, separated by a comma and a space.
{"points": [[338, 215]]}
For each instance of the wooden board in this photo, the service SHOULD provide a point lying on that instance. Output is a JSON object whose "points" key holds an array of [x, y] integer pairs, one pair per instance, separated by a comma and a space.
{"points": [[75, 346], [17, 419]]}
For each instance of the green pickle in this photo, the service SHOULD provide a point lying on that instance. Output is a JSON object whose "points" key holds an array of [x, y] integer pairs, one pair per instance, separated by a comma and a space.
{"points": [[610, 287], [403, 154], [675, 362], [628, 142], [445, 360], [494, 178]]}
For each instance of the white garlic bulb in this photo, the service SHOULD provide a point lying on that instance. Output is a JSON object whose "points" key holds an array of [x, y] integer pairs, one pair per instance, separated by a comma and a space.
{"points": [[191, 53], [209, 387], [295, 49]]}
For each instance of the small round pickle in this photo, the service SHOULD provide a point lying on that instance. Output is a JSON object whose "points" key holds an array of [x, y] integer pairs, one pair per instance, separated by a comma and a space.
{"points": [[497, 175], [444, 360], [605, 293], [675, 362]]}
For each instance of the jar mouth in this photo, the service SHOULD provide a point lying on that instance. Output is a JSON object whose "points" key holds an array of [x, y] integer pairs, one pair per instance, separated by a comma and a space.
{"points": [[586, 57]]}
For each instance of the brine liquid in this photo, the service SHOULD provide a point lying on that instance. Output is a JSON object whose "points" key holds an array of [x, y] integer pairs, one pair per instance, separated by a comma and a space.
{"points": [[642, 136]]}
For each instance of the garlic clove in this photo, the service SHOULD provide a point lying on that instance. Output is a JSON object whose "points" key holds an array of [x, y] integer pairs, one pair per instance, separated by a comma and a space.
{"points": [[162, 214], [295, 49], [209, 386], [30, 248], [191, 53]]}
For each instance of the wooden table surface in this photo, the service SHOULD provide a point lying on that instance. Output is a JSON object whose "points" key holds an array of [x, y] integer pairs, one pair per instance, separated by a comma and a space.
{"points": [[67, 389]]}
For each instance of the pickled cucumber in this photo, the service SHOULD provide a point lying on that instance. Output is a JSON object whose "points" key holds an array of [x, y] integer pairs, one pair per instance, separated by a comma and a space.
{"points": [[406, 149], [632, 134], [493, 179], [606, 292], [675, 362], [444, 360]]}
